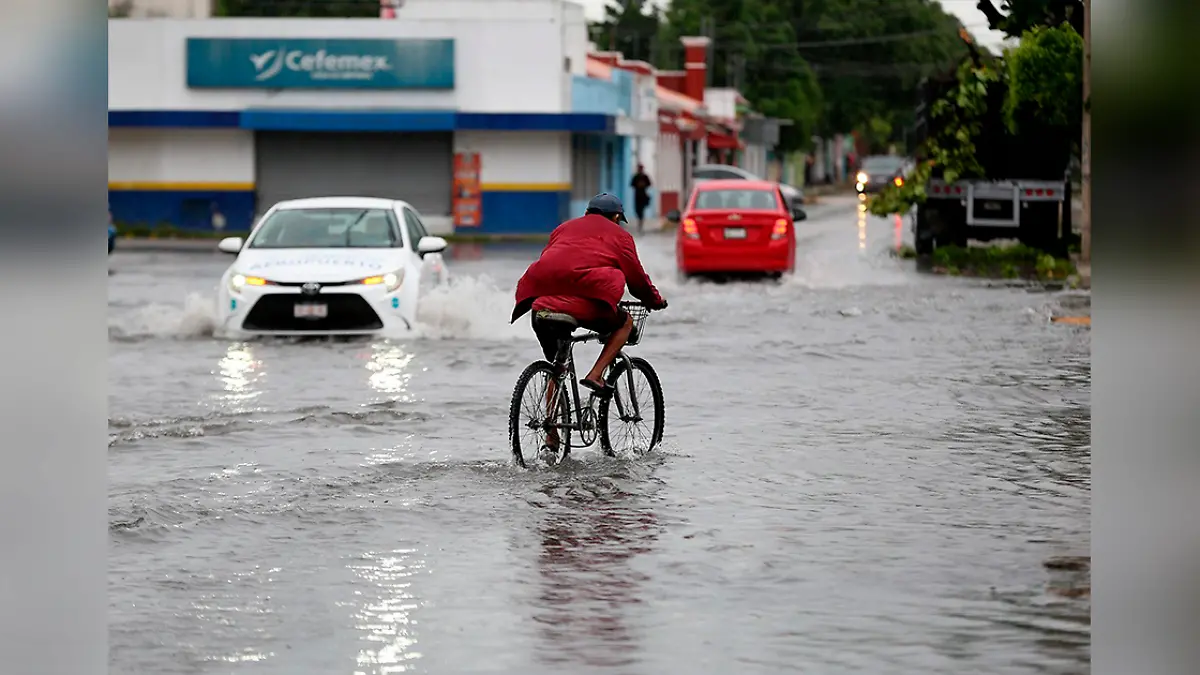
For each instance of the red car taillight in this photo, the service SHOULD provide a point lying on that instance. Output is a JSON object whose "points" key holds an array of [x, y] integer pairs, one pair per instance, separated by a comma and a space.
{"points": [[689, 229], [781, 228]]}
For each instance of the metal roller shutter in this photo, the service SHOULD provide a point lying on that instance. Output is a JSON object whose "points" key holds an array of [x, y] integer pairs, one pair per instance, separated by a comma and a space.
{"points": [[585, 167], [416, 167]]}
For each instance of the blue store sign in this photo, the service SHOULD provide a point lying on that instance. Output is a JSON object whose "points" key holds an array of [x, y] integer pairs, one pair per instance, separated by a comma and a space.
{"points": [[257, 63]]}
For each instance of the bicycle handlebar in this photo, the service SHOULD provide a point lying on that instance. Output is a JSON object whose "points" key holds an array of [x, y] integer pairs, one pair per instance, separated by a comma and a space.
{"points": [[639, 303]]}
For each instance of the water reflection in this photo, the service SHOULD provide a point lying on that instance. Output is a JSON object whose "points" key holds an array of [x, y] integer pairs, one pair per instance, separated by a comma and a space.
{"points": [[386, 622], [862, 224], [388, 364], [466, 251], [586, 582], [899, 232], [240, 374]]}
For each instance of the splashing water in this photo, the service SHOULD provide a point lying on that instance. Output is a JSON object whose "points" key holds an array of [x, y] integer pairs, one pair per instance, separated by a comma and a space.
{"points": [[196, 318], [469, 308], [466, 308]]}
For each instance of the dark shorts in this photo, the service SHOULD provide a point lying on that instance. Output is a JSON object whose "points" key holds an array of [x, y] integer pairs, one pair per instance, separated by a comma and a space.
{"points": [[550, 334]]}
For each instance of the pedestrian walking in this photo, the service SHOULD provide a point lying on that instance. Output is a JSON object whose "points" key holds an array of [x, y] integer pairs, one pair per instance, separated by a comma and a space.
{"points": [[641, 195]]}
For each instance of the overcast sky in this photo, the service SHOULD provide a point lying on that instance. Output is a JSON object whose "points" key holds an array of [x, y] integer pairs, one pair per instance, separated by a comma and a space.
{"points": [[965, 10]]}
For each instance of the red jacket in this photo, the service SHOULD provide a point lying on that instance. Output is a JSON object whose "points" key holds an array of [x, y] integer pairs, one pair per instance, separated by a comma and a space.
{"points": [[588, 257]]}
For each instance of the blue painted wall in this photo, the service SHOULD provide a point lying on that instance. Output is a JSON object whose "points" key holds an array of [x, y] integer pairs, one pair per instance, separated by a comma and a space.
{"points": [[377, 120], [616, 169], [185, 209], [522, 212], [605, 97]]}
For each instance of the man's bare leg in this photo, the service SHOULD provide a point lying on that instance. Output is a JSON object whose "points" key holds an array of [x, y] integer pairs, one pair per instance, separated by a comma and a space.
{"points": [[612, 347]]}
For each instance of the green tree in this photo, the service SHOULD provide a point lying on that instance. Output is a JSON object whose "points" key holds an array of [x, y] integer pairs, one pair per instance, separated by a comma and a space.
{"points": [[1015, 17], [878, 134], [630, 27], [871, 56], [1045, 78], [828, 66], [755, 52]]}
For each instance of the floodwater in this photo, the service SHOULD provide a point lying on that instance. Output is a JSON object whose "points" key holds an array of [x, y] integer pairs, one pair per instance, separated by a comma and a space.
{"points": [[865, 469]]}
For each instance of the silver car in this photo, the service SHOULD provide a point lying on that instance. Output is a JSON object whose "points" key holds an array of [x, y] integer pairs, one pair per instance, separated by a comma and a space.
{"points": [[877, 171], [794, 195]]}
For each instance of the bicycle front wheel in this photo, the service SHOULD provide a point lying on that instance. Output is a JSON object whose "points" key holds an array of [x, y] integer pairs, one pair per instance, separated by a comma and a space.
{"points": [[631, 420], [539, 417]]}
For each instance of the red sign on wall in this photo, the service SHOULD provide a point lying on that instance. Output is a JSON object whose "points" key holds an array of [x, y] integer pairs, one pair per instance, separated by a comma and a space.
{"points": [[467, 204]]}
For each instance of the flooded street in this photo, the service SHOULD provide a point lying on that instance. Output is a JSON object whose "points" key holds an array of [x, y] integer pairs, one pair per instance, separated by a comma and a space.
{"points": [[865, 469]]}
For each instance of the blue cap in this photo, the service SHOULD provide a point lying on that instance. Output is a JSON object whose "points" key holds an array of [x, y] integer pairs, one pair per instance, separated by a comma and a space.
{"points": [[607, 204]]}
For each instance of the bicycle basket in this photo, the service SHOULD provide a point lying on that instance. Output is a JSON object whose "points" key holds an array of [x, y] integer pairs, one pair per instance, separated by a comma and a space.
{"points": [[638, 312]]}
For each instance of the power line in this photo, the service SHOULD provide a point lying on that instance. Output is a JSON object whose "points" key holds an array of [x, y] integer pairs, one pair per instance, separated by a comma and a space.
{"points": [[864, 41]]}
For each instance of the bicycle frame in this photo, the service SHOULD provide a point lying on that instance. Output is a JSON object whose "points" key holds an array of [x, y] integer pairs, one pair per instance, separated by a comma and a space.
{"points": [[564, 362]]}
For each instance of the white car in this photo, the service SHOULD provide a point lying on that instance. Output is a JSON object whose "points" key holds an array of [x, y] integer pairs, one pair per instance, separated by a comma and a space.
{"points": [[329, 266]]}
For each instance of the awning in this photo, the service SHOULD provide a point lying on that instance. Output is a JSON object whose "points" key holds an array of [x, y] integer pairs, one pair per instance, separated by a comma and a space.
{"points": [[719, 140], [598, 69], [676, 101]]}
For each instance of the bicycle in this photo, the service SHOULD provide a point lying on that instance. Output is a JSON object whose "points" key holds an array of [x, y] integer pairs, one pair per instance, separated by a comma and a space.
{"points": [[561, 410]]}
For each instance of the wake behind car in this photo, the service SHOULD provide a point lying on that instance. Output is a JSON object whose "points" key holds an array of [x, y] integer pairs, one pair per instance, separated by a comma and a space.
{"points": [[737, 227], [328, 266]]}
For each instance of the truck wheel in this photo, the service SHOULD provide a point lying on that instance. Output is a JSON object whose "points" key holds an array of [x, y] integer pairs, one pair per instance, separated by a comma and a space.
{"points": [[922, 235]]}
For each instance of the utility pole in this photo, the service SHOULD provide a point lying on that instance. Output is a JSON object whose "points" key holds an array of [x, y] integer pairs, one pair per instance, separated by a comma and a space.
{"points": [[1085, 160]]}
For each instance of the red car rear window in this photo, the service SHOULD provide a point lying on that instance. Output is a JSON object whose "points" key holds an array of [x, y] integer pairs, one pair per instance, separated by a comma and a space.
{"points": [[737, 199]]}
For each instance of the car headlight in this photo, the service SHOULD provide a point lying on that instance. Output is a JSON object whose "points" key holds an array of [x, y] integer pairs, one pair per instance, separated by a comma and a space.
{"points": [[391, 281], [861, 177], [239, 281]]}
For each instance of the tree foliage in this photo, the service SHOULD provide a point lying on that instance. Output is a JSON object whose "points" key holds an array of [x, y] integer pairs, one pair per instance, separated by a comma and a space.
{"points": [[828, 66], [1015, 17], [1042, 82], [871, 57], [630, 27], [1045, 77], [957, 119]]}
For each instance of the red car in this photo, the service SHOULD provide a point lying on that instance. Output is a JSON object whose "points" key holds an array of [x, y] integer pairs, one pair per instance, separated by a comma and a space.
{"points": [[737, 227]]}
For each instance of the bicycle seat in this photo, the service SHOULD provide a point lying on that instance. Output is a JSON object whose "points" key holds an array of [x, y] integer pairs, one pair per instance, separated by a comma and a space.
{"points": [[565, 320]]}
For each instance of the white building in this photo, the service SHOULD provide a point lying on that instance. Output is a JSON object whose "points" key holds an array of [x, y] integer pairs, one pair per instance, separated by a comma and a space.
{"points": [[227, 116]]}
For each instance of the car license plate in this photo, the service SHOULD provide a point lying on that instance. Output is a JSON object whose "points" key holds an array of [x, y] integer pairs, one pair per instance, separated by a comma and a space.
{"points": [[735, 233], [308, 310]]}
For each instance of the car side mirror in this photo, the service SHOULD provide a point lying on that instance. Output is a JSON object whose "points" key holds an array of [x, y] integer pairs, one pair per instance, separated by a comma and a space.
{"points": [[674, 216], [429, 245], [230, 245], [798, 214]]}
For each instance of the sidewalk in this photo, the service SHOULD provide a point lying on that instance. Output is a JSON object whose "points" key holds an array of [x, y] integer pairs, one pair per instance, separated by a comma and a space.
{"points": [[148, 244], [814, 193]]}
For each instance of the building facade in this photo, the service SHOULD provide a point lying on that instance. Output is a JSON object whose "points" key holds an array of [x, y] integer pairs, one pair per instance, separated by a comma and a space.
{"points": [[213, 120], [489, 116]]}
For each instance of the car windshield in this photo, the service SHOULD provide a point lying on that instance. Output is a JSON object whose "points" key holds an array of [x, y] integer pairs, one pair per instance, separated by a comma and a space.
{"points": [[327, 228], [882, 164], [737, 199]]}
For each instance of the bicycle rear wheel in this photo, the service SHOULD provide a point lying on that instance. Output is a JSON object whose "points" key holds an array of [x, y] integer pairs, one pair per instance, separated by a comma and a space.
{"points": [[532, 418], [631, 420]]}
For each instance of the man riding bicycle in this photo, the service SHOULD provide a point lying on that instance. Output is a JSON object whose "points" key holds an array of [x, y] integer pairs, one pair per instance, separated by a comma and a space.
{"points": [[582, 273]]}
